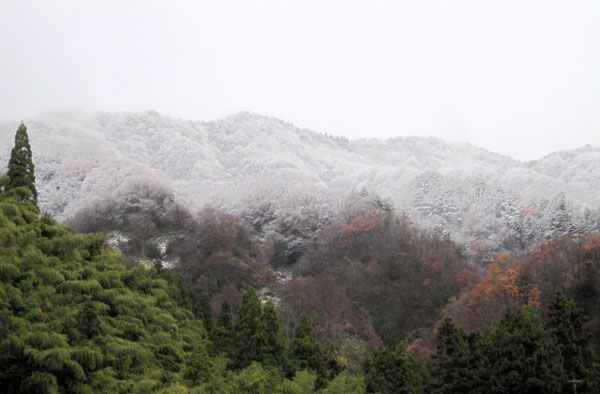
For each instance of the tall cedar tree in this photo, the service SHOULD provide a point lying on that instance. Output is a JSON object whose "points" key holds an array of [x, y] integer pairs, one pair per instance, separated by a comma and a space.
{"points": [[202, 311], [526, 359], [566, 324], [199, 305], [222, 331], [306, 352], [392, 370], [225, 319], [249, 339], [451, 367], [274, 351], [20, 167], [184, 294]]}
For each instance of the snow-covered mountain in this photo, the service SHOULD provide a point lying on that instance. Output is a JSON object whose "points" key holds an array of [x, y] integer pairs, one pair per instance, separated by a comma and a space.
{"points": [[479, 197]]}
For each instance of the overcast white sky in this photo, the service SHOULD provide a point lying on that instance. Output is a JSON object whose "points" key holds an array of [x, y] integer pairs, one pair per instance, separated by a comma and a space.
{"points": [[517, 77]]}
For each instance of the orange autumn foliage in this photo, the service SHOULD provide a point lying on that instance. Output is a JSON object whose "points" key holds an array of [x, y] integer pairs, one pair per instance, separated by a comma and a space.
{"points": [[567, 263], [497, 290], [592, 242], [365, 222], [543, 254], [500, 280], [533, 298]]}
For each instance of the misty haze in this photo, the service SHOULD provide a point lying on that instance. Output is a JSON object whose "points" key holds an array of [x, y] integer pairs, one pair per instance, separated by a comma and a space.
{"points": [[299, 197]]}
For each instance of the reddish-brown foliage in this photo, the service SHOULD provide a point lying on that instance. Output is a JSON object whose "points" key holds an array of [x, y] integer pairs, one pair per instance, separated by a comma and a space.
{"points": [[392, 277], [569, 264]]}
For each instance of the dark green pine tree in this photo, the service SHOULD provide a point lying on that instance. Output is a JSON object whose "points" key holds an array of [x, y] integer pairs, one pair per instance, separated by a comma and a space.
{"points": [[20, 168], [222, 331], [248, 337], [451, 367], [202, 310], [184, 294], [225, 319], [305, 351], [566, 324], [392, 370], [526, 358], [274, 350], [198, 366]]}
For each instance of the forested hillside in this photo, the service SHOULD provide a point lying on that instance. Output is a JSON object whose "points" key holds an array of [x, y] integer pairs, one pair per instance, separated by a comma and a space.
{"points": [[483, 200], [76, 319], [360, 301]]}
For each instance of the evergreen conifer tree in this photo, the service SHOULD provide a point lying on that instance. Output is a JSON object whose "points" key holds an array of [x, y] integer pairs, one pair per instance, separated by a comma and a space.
{"points": [[225, 319], [20, 168], [184, 294], [451, 367], [566, 324], [526, 359], [391, 370], [222, 331], [274, 351], [306, 352], [249, 338], [202, 310], [199, 366]]}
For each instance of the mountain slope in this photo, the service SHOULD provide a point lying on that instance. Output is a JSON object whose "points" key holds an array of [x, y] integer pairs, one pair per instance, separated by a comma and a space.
{"points": [[476, 196]]}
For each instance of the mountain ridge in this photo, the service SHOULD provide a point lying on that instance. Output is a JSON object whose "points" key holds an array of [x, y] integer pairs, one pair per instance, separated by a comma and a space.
{"points": [[459, 189]]}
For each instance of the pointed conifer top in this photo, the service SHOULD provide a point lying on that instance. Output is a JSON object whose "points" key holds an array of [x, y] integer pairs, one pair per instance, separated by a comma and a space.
{"points": [[20, 167]]}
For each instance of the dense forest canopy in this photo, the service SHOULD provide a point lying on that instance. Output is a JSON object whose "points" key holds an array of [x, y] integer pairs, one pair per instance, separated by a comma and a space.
{"points": [[174, 301]]}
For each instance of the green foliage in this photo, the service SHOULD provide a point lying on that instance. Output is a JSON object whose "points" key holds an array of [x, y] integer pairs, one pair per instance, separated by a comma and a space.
{"points": [[199, 367], [452, 368], [305, 351], [225, 319], [305, 380], [289, 387], [392, 370], [201, 309], [4, 179], [249, 336], [517, 356], [183, 294], [73, 318], [345, 383], [274, 345], [21, 182], [525, 358], [223, 330], [88, 320], [566, 324], [39, 383], [9, 272], [252, 380]]}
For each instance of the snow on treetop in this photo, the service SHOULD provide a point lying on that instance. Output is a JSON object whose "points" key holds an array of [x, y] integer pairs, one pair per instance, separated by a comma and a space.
{"points": [[462, 189]]}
